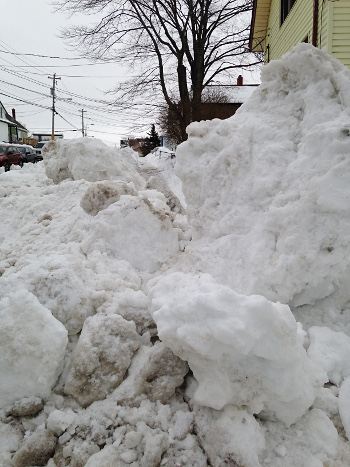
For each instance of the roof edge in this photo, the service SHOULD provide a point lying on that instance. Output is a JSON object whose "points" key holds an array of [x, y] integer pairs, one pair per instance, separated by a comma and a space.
{"points": [[252, 25]]}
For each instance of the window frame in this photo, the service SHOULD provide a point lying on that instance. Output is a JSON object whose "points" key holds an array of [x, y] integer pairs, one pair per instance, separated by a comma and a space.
{"points": [[286, 6]]}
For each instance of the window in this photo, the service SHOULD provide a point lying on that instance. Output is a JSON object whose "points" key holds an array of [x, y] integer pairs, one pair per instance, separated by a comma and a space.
{"points": [[286, 6]]}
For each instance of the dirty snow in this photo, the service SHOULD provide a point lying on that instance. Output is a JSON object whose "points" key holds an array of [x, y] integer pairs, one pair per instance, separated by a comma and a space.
{"points": [[187, 311]]}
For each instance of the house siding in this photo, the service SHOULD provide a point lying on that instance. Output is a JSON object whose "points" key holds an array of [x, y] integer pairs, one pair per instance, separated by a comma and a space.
{"points": [[340, 40], [4, 132], [324, 24], [268, 35], [295, 28], [333, 28]]}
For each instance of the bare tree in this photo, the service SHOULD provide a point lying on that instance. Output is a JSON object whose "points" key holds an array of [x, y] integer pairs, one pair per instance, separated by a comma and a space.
{"points": [[170, 120], [181, 46]]}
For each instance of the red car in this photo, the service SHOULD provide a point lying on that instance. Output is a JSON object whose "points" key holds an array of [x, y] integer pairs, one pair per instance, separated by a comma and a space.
{"points": [[10, 155]]}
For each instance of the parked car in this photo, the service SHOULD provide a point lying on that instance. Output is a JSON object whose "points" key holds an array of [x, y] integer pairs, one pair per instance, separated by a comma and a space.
{"points": [[10, 155], [29, 154], [38, 147]]}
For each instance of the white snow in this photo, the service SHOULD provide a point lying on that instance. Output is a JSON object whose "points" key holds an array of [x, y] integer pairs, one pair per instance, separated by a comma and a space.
{"points": [[271, 207], [32, 346], [344, 406], [243, 351], [187, 311], [331, 351], [67, 159]]}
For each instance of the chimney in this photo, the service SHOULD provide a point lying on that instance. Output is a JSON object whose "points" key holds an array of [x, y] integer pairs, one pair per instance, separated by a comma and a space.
{"points": [[14, 114], [240, 80]]}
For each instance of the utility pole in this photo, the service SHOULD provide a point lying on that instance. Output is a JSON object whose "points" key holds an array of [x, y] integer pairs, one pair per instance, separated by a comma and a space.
{"points": [[82, 121], [53, 103]]}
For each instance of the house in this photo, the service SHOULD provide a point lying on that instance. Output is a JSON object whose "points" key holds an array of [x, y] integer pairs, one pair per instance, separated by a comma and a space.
{"points": [[11, 131], [278, 25], [234, 97]]}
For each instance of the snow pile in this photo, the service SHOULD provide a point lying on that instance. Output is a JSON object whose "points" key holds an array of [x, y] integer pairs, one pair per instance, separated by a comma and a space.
{"points": [[87, 159], [271, 206], [124, 342], [243, 351]]}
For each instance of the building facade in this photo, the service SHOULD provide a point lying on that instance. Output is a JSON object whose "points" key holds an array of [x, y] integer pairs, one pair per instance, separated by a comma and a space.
{"points": [[278, 25], [11, 131]]}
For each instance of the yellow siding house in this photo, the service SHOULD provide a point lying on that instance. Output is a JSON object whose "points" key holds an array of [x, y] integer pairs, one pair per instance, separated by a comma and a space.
{"points": [[278, 25]]}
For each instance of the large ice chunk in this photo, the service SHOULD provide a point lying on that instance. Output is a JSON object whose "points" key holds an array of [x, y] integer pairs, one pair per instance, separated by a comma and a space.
{"points": [[244, 351], [100, 195], [60, 284], [32, 346], [137, 229], [101, 357]]}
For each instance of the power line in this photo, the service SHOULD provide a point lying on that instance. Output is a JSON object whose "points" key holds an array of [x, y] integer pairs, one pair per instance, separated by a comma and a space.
{"points": [[21, 59], [61, 66], [23, 100], [106, 116], [42, 56], [71, 124], [25, 89]]}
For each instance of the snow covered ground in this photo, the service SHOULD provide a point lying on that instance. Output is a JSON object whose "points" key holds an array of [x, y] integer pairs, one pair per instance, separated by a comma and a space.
{"points": [[190, 311]]}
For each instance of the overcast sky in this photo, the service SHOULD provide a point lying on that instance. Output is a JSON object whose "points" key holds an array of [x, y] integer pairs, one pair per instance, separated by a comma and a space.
{"points": [[32, 27]]}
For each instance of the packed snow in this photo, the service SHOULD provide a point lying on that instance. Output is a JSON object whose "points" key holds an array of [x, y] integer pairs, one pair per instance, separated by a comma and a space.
{"points": [[185, 311]]}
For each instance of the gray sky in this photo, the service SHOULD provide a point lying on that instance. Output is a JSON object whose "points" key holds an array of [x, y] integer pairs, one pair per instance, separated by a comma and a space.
{"points": [[32, 27]]}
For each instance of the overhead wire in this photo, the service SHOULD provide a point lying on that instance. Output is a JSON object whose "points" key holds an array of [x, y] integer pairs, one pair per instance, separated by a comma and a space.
{"points": [[43, 56], [94, 110], [7, 46]]}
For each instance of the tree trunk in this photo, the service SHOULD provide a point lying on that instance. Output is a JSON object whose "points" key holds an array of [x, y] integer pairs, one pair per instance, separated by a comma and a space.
{"points": [[185, 103]]}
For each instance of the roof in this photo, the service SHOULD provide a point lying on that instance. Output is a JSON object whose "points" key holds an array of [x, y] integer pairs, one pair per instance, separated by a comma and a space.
{"points": [[258, 26], [240, 94], [12, 121], [237, 94], [4, 120]]}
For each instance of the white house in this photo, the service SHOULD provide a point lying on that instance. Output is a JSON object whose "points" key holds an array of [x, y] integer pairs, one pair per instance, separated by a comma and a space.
{"points": [[11, 131]]}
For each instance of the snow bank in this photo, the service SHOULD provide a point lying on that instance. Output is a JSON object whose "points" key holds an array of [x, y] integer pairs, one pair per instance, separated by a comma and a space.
{"points": [[268, 189], [32, 347], [266, 194], [243, 351], [89, 159]]}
